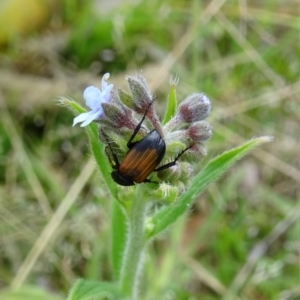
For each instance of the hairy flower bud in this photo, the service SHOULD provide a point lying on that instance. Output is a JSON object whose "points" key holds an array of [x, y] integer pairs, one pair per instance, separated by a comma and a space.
{"points": [[186, 171], [116, 115], [126, 98], [168, 193], [170, 174], [140, 93], [194, 108], [200, 131], [196, 153]]}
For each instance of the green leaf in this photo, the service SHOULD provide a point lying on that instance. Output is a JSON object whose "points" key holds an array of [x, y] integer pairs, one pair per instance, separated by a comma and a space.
{"points": [[214, 169], [94, 290], [171, 104]]}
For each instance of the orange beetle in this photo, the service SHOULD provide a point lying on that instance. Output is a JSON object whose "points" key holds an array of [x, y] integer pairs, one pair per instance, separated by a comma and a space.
{"points": [[142, 158]]}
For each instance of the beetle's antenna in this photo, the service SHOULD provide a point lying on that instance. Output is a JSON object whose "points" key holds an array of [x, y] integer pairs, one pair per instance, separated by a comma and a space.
{"points": [[115, 158], [137, 128]]}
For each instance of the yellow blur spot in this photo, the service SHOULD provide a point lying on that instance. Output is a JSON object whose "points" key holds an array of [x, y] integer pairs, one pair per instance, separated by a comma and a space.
{"points": [[21, 16]]}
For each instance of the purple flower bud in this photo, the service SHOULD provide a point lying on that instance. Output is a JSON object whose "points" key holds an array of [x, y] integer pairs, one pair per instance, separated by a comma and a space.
{"points": [[94, 98], [200, 131], [119, 116], [194, 108]]}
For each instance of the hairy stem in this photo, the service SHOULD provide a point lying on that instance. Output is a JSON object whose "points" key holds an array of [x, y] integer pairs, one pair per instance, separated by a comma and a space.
{"points": [[133, 255]]}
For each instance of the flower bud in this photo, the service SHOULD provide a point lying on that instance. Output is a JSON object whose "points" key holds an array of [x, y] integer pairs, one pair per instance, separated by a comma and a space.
{"points": [[196, 153], [175, 146], [125, 98], [166, 193], [200, 131], [171, 174], [140, 93], [116, 115], [186, 171], [194, 108]]}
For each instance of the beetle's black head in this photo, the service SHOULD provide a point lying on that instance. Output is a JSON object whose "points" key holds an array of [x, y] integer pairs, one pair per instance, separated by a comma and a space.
{"points": [[121, 179]]}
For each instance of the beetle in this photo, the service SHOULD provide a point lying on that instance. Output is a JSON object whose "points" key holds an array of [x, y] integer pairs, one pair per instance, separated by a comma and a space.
{"points": [[142, 157]]}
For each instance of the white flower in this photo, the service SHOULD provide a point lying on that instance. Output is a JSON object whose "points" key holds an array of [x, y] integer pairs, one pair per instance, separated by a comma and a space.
{"points": [[94, 97]]}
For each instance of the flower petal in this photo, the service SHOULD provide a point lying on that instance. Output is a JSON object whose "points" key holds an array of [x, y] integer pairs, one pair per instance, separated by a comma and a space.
{"points": [[106, 96], [92, 96], [92, 116], [82, 117], [104, 83]]}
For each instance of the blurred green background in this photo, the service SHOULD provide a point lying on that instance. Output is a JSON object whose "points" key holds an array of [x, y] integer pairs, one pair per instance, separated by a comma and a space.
{"points": [[241, 239]]}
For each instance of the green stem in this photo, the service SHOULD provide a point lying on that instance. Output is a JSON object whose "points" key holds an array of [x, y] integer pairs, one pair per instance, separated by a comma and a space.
{"points": [[132, 259], [118, 237]]}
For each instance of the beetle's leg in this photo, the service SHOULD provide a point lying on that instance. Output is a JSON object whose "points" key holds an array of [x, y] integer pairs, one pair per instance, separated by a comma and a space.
{"points": [[114, 156], [130, 144], [172, 163], [109, 156], [150, 181]]}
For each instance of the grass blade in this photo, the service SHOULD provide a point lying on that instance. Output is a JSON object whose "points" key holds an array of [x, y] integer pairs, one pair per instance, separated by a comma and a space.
{"points": [[171, 104]]}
